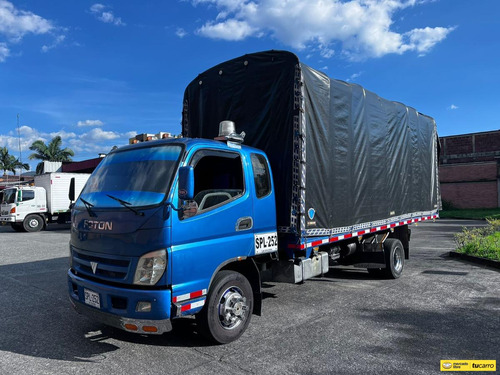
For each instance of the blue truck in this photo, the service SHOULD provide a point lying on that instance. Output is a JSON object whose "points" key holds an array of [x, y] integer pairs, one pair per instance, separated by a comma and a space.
{"points": [[281, 173]]}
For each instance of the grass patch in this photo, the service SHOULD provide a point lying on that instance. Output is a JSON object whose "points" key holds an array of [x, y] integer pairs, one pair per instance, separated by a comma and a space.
{"points": [[481, 242], [472, 214]]}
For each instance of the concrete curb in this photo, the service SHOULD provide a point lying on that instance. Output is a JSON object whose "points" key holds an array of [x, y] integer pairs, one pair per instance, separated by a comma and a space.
{"points": [[473, 259]]}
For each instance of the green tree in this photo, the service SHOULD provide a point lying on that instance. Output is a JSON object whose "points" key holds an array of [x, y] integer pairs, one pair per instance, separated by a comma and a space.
{"points": [[9, 163], [49, 152]]}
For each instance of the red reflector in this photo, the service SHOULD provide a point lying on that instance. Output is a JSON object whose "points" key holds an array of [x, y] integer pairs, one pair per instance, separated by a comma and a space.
{"points": [[149, 329]]}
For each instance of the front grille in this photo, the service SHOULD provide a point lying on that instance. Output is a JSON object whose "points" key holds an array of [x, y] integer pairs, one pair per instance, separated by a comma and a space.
{"points": [[111, 268]]}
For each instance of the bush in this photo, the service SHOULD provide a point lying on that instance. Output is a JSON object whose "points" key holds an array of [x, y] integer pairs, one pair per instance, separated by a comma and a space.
{"points": [[482, 242]]}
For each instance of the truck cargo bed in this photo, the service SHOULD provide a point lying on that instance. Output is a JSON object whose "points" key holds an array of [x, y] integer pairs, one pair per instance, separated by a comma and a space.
{"points": [[346, 162]]}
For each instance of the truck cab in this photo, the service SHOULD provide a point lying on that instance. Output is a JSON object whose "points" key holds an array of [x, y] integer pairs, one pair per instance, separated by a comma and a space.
{"points": [[174, 228], [22, 206]]}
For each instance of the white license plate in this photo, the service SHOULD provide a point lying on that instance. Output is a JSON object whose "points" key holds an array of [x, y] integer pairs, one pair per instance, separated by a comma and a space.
{"points": [[92, 298], [265, 243]]}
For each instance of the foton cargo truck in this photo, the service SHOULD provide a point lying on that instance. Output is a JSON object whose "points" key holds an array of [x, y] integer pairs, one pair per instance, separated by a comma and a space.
{"points": [[30, 208], [326, 172]]}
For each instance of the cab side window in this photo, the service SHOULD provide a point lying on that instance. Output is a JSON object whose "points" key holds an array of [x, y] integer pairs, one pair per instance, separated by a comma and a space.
{"points": [[218, 179], [27, 195], [261, 175]]}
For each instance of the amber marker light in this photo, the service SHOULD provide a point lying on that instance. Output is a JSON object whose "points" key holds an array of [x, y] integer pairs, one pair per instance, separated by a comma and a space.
{"points": [[131, 327]]}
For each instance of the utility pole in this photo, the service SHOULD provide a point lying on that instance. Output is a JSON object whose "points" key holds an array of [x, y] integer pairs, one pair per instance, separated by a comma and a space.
{"points": [[20, 152]]}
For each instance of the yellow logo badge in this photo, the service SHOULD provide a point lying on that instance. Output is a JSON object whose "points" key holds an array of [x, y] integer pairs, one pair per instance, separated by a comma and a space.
{"points": [[468, 365]]}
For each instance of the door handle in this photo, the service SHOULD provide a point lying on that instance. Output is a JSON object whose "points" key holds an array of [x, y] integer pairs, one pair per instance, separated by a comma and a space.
{"points": [[244, 223]]}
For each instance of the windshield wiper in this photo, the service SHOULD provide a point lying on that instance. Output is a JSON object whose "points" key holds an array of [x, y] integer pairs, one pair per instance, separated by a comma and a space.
{"points": [[126, 205], [88, 206]]}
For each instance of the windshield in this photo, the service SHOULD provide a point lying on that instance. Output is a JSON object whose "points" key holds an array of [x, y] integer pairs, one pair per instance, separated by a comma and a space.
{"points": [[9, 196], [140, 177]]}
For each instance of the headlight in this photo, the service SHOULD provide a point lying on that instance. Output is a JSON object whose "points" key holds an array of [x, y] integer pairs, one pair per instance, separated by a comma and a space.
{"points": [[150, 268]]}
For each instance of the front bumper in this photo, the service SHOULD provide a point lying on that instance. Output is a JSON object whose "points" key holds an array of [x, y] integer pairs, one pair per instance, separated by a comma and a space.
{"points": [[121, 322], [8, 219], [118, 306]]}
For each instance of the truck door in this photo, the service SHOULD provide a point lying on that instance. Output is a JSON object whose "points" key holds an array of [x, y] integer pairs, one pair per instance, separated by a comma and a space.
{"points": [[264, 217], [219, 226], [26, 200]]}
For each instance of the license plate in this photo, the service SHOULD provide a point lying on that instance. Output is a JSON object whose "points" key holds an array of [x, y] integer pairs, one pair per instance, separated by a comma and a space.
{"points": [[92, 298], [266, 243]]}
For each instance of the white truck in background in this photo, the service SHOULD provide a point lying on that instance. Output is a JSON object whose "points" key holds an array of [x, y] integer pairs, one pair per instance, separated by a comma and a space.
{"points": [[31, 208]]}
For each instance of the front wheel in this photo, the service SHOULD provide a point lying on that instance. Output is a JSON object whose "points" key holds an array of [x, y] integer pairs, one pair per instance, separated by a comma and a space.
{"points": [[228, 308], [33, 223], [394, 258]]}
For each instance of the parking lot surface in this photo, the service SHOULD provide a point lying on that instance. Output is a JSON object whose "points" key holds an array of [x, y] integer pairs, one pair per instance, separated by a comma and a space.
{"points": [[346, 322]]}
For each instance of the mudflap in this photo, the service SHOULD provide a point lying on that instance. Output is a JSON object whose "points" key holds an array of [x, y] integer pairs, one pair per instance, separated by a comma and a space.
{"points": [[369, 260]]}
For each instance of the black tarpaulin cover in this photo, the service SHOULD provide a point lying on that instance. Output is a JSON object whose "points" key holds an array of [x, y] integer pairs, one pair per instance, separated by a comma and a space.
{"points": [[341, 155]]}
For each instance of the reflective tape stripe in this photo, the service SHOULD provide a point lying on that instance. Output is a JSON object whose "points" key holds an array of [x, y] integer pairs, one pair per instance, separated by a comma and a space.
{"points": [[303, 246], [193, 305], [188, 296]]}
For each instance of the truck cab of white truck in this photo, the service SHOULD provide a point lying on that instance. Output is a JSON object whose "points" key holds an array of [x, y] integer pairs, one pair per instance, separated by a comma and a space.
{"points": [[23, 207], [30, 208]]}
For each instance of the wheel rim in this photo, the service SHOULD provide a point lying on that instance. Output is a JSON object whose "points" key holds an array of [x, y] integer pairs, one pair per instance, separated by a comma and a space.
{"points": [[233, 308], [33, 223], [397, 261]]}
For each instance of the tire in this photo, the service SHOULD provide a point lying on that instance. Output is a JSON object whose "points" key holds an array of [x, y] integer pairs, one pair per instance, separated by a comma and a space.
{"points": [[228, 308], [33, 223], [18, 227], [394, 258]]}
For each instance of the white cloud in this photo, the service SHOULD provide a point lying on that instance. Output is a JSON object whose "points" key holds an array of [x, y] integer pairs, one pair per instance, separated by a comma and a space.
{"points": [[102, 14], [63, 134], [15, 23], [58, 40], [97, 8], [180, 32], [361, 27], [4, 52], [85, 145], [90, 123], [422, 40], [97, 134], [353, 76], [11, 140], [228, 30], [130, 134], [453, 106], [327, 52]]}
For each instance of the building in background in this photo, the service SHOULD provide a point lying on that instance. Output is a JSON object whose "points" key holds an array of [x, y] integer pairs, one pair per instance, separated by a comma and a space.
{"points": [[144, 137], [469, 170]]}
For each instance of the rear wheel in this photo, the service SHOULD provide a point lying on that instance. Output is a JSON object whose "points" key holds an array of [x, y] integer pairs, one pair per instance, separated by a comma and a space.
{"points": [[33, 223], [394, 258], [228, 308]]}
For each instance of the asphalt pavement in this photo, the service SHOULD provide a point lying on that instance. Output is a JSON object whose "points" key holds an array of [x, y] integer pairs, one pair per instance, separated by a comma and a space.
{"points": [[346, 322]]}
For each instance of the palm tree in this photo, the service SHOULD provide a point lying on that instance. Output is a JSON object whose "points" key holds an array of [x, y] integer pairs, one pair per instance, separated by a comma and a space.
{"points": [[49, 152], [9, 163]]}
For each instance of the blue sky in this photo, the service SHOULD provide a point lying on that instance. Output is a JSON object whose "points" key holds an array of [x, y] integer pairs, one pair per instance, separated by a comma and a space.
{"points": [[98, 72]]}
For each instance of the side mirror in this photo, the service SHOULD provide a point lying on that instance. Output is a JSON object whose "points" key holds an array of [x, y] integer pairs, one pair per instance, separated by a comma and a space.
{"points": [[186, 183], [71, 193]]}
